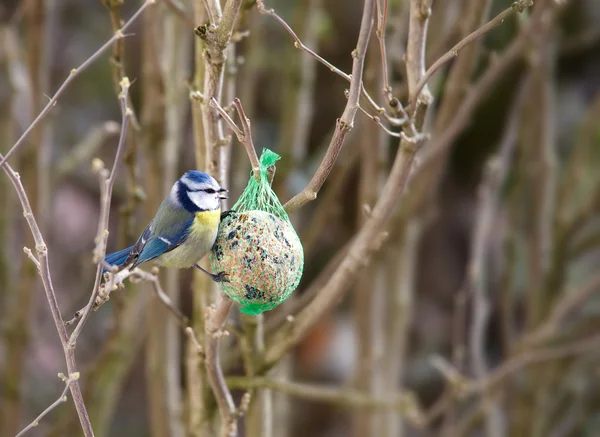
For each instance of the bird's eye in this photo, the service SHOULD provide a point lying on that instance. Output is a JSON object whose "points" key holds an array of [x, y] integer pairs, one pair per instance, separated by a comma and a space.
{"points": [[209, 191]]}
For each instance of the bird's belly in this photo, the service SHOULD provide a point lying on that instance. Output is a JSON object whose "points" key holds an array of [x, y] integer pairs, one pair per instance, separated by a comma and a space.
{"points": [[200, 240]]}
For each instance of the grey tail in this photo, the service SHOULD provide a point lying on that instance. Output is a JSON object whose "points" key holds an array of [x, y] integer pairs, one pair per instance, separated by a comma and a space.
{"points": [[117, 258]]}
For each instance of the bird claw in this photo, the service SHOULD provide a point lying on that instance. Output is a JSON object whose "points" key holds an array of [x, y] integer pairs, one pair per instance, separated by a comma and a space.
{"points": [[226, 214], [221, 277]]}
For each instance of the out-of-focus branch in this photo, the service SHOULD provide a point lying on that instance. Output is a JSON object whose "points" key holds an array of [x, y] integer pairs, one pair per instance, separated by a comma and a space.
{"points": [[365, 243], [489, 192], [297, 98], [72, 75], [61, 399], [460, 74], [216, 317], [401, 260], [86, 148], [382, 12], [118, 54], [518, 6], [300, 45], [420, 10], [477, 279], [346, 121], [404, 403], [368, 239]]}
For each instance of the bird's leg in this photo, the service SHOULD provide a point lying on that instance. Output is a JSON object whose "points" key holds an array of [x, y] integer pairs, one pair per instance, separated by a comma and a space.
{"points": [[218, 278]]}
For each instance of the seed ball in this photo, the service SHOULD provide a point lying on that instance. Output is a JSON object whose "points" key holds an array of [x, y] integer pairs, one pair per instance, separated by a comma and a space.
{"points": [[263, 257]]}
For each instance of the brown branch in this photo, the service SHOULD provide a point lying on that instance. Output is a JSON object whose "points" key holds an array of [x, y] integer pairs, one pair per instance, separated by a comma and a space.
{"points": [[518, 6], [487, 213], [382, 11], [477, 280], [460, 74], [72, 75], [42, 256], [61, 399], [106, 188], [346, 121], [300, 45], [216, 317], [243, 135], [67, 342], [420, 10], [366, 242], [404, 403], [84, 150]]}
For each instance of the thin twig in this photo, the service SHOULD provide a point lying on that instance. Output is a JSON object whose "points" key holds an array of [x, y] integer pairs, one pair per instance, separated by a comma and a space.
{"points": [[72, 75], [42, 256], [300, 45], [160, 293], [61, 399], [362, 246], [115, 281], [382, 11], [346, 121], [378, 122], [243, 135], [518, 6], [106, 187]]}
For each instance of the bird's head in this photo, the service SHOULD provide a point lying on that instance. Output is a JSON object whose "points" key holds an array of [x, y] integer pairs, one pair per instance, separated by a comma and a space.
{"points": [[198, 191]]}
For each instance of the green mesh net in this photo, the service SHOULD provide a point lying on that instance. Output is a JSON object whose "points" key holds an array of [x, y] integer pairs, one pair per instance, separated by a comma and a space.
{"points": [[258, 247], [258, 195]]}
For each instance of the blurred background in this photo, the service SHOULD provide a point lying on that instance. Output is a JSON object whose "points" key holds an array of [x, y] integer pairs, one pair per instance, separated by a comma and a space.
{"points": [[443, 334]]}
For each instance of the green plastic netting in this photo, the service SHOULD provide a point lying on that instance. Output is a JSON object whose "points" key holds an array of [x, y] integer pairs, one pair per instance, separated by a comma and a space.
{"points": [[258, 247]]}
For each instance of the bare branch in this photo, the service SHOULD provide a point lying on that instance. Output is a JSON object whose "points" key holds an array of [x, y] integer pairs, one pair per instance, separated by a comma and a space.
{"points": [[382, 11], [61, 399], [243, 135], [364, 244], [72, 75], [107, 182], [216, 317], [420, 10], [300, 45], [44, 271], [346, 121], [518, 6], [404, 403], [487, 212]]}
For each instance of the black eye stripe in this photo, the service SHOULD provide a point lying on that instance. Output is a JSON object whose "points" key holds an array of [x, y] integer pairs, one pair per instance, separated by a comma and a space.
{"points": [[206, 190]]}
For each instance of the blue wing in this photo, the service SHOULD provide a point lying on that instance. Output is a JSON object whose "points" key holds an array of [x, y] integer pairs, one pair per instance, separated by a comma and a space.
{"points": [[150, 246]]}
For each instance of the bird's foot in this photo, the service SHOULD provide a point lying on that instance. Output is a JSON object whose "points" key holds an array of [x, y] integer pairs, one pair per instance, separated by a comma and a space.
{"points": [[218, 277], [225, 214]]}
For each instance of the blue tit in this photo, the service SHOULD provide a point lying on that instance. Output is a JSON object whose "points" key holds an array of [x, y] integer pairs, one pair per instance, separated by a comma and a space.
{"points": [[183, 230]]}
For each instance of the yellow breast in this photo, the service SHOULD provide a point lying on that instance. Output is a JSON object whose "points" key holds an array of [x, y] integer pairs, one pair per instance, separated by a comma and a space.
{"points": [[200, 239], [206, 220]]}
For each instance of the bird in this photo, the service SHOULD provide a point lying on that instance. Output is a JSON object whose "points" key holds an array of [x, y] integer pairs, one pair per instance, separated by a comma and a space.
{"points": [[183, 230]]}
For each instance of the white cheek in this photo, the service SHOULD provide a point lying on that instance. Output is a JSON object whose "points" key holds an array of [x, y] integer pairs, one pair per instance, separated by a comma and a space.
{"points": [[203, 200]]}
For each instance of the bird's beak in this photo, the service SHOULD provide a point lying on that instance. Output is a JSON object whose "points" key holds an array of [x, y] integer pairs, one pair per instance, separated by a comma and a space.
{"points": [[222, 193]]}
